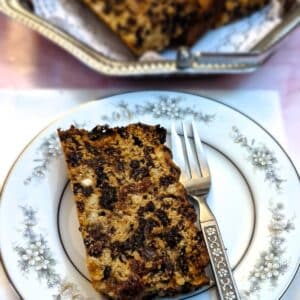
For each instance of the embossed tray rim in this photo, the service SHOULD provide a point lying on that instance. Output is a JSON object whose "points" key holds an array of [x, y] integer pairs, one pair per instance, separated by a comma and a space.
{"points": [[199, 64]]}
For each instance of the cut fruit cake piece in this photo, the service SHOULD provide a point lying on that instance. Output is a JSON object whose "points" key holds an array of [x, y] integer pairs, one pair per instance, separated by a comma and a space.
{"points": [[153, 25], [136, 221]]}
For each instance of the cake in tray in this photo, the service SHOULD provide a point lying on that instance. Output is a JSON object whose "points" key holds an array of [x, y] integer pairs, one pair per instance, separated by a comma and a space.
{"points": [[137, 224], [152, 25]]}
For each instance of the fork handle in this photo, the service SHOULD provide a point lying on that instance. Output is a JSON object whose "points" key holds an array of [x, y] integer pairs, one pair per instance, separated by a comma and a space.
{"points": [[223, 275], [226, 286]]}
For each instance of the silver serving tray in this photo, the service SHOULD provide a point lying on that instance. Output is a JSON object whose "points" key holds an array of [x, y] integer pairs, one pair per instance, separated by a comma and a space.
{"points": [[185, 63]]}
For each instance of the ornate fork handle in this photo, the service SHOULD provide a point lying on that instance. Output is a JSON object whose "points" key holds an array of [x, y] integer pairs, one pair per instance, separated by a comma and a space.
{"points": [[217, 254]]}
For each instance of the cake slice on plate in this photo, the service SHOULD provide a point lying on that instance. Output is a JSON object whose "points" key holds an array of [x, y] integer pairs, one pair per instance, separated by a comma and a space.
{"points": [[137, 224]]}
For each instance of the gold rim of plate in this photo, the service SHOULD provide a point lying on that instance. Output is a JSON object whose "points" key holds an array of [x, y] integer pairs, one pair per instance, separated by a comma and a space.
{"points": [[200, 64]]}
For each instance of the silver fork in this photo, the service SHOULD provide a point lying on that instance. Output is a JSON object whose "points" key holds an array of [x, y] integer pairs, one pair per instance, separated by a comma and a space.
{"points": [[195, 176]]}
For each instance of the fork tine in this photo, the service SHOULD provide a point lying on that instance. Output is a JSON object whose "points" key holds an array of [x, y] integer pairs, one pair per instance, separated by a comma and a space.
{"points": [[178, 154], [204, 169], [191, 156]]}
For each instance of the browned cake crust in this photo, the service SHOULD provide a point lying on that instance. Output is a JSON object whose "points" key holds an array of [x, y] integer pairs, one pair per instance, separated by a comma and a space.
{"points": [[154, 25], [137, 224]]}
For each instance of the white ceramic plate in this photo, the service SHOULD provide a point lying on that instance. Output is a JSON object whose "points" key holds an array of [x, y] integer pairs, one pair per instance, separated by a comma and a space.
{"points": [[255, 197]]}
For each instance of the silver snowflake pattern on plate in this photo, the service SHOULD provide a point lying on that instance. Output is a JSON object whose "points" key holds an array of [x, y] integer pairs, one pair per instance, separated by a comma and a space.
{"points": [[34, 254], [260, 157], [36, 257], [47, 151], [271, 263], [165, 107], [68, 291]]}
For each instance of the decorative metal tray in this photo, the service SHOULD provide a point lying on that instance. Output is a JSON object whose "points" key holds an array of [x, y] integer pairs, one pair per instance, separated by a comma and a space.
{"points": [[236, 48]]}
